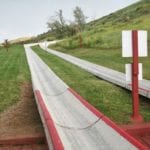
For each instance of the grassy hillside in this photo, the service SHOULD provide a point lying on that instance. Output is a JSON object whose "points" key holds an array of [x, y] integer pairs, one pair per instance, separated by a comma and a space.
{"points": [[20, 40], [47, 36], [14, 73], [102, 38], [106, 32]]}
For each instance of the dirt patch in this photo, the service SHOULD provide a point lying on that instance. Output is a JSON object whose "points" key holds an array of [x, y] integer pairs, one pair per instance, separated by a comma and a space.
{"points": [[22, 118], [25, 147]]}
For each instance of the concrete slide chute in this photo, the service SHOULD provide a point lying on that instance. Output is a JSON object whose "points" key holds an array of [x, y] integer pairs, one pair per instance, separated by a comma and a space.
{"points": [[69, 122]]}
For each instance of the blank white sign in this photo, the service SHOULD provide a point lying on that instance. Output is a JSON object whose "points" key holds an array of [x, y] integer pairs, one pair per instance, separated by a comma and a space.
{"points": [[127, 43], [128, 68]]}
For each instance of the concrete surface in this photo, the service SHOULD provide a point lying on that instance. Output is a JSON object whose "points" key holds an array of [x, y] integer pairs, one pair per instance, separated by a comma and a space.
{"points": [[77, 126]]}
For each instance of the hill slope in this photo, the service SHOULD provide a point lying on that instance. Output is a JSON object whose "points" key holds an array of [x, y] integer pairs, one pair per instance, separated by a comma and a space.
{"points": [[106, 32], [20, 40]]}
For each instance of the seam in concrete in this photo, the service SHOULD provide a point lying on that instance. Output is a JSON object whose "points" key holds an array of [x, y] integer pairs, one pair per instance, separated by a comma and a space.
{"points": [[83, 128]]}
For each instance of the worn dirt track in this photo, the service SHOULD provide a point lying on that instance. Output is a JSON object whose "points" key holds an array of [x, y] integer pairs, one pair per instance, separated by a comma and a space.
{"points": [[23, 118]]}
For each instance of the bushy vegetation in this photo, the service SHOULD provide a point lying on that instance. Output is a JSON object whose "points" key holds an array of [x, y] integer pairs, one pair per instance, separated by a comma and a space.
{"points": [[61, 29]]}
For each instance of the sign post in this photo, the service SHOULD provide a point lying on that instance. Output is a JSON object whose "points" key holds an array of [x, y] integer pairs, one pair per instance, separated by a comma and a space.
{"points": [[6, 44], [135, 72], [134, 44]]}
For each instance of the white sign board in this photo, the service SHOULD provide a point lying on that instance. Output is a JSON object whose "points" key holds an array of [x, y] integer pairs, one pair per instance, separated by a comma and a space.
{"points": [[127, 43], [128, 68]]}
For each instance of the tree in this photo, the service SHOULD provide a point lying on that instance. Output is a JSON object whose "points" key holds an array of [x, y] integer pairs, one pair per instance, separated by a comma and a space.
{"points": [[80, 18], [61, 29], [6, 44], [71, 29], [57, 24], [61, 19]]}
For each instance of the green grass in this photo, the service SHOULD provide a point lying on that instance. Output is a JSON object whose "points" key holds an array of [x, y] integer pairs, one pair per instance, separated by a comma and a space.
{"points": [[112, 100], [13, 73]]}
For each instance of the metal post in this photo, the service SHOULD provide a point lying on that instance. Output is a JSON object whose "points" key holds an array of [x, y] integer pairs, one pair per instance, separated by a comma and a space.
{"points": [[136, 117]]}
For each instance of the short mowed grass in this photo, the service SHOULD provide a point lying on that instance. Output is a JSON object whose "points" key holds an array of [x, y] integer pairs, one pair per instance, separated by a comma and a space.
{"points": [[110, 99], [14, 72]]}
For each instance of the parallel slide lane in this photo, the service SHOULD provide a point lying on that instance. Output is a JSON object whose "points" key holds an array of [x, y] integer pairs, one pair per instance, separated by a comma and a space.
{"points": [[105, 73]]}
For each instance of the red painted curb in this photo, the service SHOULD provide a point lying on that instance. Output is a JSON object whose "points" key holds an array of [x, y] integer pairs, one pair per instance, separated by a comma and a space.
{"points": [[57, 143], [142, 128], [108, 121], [23, 140], [139, 131], [142, 89]]}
